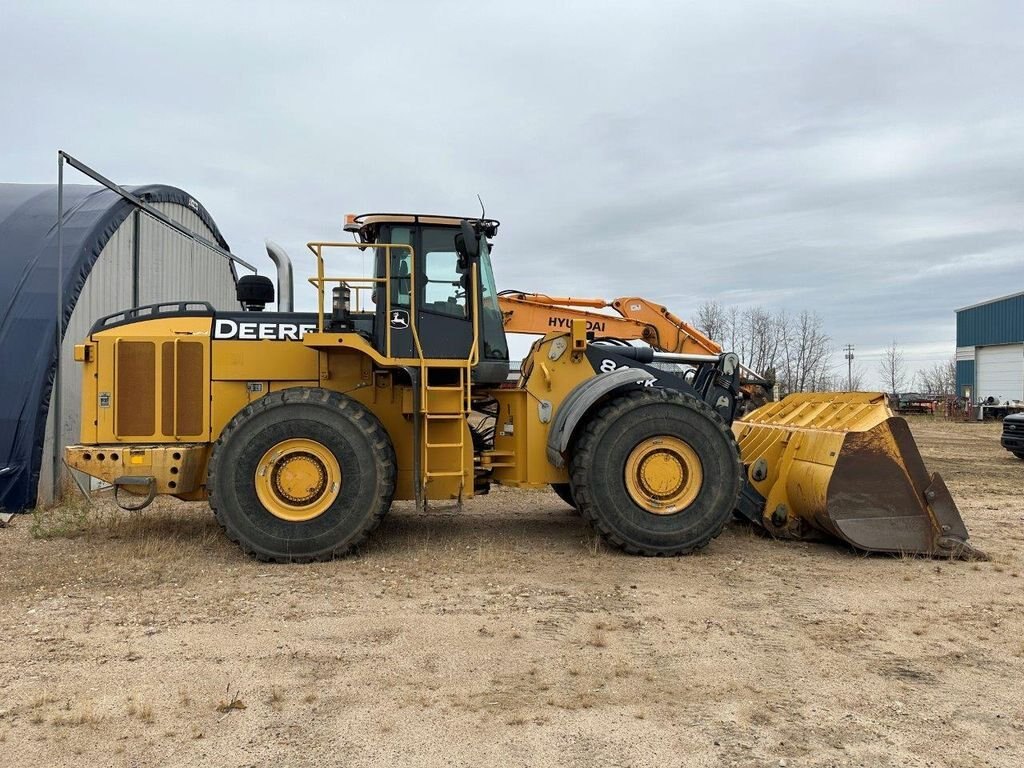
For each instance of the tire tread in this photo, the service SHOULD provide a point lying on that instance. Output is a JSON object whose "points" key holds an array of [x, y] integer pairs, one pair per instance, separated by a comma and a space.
{"points": [[587, 441], [372, 429]]}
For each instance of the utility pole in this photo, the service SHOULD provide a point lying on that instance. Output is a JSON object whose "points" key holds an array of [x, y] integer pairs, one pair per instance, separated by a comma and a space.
{"points": [[849, 367]]}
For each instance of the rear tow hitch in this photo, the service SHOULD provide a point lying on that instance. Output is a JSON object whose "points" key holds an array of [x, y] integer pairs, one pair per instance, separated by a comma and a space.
{"points": [[136, 485]]}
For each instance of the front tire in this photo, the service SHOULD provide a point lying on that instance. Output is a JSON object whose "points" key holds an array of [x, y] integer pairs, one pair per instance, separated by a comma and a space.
{"points": [[656, 472], [564, 492], [1019, 454], [302, 474]]}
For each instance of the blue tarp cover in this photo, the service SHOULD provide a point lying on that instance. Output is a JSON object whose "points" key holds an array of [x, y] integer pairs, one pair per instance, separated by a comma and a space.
{"points": [[28, 305]]}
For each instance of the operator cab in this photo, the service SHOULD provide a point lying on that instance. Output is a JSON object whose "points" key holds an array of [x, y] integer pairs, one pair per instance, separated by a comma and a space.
{"points": [[436, 280]]}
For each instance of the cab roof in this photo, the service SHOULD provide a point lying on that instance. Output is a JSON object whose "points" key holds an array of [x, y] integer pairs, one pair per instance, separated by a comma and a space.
{"points": [[365, 224]]}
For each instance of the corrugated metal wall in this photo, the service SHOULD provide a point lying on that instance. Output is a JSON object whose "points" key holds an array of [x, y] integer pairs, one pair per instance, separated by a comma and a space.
{"points": [[171, 268], [964, 376], [999, 322]]}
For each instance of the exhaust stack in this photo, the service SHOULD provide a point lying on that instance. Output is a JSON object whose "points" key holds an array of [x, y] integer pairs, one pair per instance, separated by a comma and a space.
{"points": [[285, 289]]}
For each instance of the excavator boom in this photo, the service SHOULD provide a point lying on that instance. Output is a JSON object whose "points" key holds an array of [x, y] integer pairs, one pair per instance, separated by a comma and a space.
{"points": [[636, 318]]}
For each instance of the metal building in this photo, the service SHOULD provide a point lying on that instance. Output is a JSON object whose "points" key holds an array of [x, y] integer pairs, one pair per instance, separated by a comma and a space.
{"points": [[116, 253], [990, 350]]}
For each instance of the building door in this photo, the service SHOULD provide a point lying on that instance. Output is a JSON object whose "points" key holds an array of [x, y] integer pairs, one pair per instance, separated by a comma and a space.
{"points": [[999, 372]]}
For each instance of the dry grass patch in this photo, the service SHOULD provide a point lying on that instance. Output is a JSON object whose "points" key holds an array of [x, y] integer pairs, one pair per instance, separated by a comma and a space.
{"points": [[84, 716], [232, 702], [142, 711], [275, 699], [69, 520], [598, 638], [41, 700], [169, 540]]}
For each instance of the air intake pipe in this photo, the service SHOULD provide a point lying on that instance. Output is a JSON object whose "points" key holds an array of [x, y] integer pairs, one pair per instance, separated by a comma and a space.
{"points": [[285, 290]]}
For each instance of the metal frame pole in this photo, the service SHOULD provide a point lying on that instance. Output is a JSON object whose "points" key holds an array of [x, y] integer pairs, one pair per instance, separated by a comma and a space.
{"points": [[156, 214], [136, 254], [57, 378]]}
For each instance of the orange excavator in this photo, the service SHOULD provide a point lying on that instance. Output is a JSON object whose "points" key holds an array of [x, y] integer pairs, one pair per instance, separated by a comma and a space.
{"points": [[637, 319]]}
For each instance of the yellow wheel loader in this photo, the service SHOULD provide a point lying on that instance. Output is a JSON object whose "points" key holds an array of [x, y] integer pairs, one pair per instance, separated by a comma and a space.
{"points": [[300, 429]]}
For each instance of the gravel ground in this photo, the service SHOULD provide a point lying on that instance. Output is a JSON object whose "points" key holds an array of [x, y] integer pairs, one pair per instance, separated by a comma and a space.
{"points": [[508, 635]]}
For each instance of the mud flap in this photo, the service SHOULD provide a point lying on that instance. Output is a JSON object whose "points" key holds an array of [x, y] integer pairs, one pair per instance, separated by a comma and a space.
{"points": [[841, 464]]}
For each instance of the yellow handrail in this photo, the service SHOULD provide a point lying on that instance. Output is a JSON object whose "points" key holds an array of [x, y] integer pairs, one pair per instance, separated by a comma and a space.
{"points": [[321, 280]]}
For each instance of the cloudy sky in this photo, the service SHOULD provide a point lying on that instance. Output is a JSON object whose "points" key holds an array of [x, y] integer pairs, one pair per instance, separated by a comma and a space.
{"points": [[862, 160]]}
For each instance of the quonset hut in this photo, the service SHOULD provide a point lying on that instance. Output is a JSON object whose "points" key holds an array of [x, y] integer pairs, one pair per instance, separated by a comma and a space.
{"points": [[115, 256]]}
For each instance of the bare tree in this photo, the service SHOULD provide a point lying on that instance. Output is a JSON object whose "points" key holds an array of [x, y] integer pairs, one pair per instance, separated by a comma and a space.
{"points": [[794, 351], [940, 379], [762, 332], [949, 372], [806, 353], [841, 381], [711, 321], [755, 334], [734, 332], [892, 369], [856, 382], [830, 382]]}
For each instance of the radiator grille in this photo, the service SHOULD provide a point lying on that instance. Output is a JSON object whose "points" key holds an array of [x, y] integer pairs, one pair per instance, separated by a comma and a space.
{"points": [[190, 388], [167, 388], [182, 372], [136, 384]]}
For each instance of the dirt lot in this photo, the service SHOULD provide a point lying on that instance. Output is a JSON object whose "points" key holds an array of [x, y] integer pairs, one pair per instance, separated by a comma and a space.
{"points": [[507, 635]]}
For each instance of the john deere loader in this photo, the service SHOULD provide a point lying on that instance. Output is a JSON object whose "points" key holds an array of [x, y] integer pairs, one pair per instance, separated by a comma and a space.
{"points": [[300, 429]]}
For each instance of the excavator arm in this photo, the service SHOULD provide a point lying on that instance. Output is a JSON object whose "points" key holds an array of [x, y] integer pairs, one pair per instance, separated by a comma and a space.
{"points": [[637, 319]]}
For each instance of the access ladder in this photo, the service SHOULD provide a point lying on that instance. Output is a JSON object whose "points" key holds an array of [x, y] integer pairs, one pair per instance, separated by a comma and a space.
{"points": [[444, 413]]}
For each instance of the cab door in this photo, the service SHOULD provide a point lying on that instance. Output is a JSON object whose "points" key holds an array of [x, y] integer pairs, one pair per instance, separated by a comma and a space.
{"points": [[443, 307], [443, 310]]}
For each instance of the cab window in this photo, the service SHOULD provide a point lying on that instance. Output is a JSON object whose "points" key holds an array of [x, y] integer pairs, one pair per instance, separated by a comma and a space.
{"points": [[401, 278], [442, 290]]}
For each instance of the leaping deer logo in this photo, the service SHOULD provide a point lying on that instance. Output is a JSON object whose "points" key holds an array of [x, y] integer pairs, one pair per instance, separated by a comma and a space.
{"points": [[399, 318]]}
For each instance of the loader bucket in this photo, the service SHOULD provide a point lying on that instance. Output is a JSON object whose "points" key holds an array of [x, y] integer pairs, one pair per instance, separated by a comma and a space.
{"points": [[840, 464]]}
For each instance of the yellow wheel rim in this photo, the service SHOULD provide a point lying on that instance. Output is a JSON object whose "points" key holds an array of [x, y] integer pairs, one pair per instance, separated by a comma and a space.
{"points": [[298, 479], [663, 475]]}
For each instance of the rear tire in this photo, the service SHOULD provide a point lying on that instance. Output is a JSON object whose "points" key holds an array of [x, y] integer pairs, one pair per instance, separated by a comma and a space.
{"points": [[656, 472], [1019, 454], [564, 492], [302, 474]]}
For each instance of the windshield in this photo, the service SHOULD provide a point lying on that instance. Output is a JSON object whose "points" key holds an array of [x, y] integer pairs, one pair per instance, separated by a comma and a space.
{"points": [[495, 347], [488, 291]]}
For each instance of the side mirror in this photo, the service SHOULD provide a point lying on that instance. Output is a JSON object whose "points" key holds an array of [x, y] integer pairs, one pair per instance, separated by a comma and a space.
{"points": [[467, 242]]}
